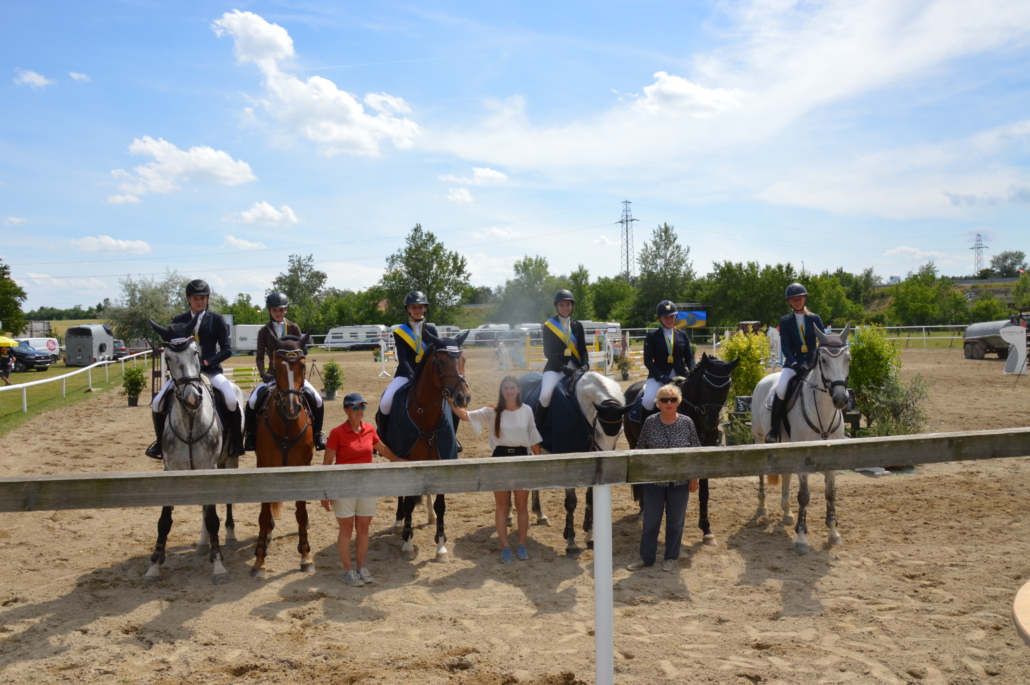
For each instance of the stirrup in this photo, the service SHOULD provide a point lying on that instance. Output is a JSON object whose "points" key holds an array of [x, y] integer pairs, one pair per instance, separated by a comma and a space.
{"points": [[154, 451]]}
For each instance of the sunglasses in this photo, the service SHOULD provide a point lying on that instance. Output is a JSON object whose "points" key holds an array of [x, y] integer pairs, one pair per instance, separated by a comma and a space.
{"points": [[666, 400], [359, 407]]}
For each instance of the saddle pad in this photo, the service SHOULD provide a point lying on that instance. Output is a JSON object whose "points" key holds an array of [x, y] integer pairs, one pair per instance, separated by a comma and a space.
{"points": [[565, 428], [403, 434], [530, 384]]}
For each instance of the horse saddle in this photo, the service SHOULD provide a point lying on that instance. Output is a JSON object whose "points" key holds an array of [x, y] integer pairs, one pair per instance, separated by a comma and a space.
{"points": [[793, 390], [573, 381]]}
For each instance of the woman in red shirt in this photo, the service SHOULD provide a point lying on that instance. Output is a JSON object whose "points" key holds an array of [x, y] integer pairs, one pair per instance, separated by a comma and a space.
{"points": [[352, 442]]}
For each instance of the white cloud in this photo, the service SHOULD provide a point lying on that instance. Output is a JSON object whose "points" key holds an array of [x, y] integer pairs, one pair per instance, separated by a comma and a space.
{"points": [[1015, 194], [460, 196], [172, 166], [350, 276], [31, 79], [915, 254], [15, 221], [66, 284], [605, 241], [265, 214], [314, 109], [241, 244], [677, 96], [105, 243], [490, 271], [496, 233], [79, 77], [481, 176]]}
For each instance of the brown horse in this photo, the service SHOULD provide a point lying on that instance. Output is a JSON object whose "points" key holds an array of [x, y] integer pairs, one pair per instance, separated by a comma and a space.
{"points": [[442, 377], [285, 438]]}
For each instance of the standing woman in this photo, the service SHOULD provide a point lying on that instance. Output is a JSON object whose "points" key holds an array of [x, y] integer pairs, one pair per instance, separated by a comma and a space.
{"points": [[279, 326], [565, 348], [797, 333], [410, 343], [5, 365], [212, 335], [513, 433], [663, 431], [667, 353], [352, 442]]}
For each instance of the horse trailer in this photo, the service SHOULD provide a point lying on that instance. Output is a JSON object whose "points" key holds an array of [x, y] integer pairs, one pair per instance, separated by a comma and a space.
{"points": [[88, 344], [355, 337], [244, 338]]}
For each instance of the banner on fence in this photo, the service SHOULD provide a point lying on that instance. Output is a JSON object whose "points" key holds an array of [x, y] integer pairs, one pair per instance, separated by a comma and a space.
{"points": [[692, 319]]}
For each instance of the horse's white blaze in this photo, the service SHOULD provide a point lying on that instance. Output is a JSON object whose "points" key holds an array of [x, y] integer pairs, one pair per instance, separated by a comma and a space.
{"points": [[289, 374]]}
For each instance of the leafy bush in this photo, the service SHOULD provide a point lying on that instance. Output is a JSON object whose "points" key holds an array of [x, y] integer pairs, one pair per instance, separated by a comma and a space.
{"points": [[1021, 291], [133, 382], [738, 433], [896, 408], [890, 408], [332, 376], [988, 308], [623, 363], [752, 351]]}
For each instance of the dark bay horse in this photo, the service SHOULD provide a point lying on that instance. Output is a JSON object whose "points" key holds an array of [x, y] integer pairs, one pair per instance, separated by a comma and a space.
{"points": [[704, 394], [285, 438], [442, 378]]}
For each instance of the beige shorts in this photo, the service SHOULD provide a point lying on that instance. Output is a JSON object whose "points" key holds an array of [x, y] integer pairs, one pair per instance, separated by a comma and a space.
{"points": [[354, 506]]}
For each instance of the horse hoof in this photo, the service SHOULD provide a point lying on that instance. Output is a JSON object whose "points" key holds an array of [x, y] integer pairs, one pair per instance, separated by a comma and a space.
{"points": [[218, 580], [762, 511], [308, 568], [203, 549], [443, 558], [543, 521], [709, 540], [801, 548], [573, 552], [408, 555], [787, 520], [150, 580], [836, 541], [257, 573]]}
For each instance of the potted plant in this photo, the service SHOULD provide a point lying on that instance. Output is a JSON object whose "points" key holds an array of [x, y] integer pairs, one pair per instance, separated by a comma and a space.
{"points": [[332, 379], [623, 364], [133, 383]]}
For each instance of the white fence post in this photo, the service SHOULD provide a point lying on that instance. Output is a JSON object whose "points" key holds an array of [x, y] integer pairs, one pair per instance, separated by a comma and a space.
{"points": [[64, 387], [604, 630], [89, 374], [24, 400], [107, 374]]}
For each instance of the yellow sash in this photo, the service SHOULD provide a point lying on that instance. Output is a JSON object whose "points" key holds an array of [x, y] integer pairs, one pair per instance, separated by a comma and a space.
{"points": [[569, 341], [419, 348]]}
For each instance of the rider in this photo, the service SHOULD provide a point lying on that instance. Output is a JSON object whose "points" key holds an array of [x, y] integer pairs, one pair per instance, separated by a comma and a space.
{"points": [[667, 353], [565, 348], [797, 335], [410, 343], [277, 327], [212, 336]]}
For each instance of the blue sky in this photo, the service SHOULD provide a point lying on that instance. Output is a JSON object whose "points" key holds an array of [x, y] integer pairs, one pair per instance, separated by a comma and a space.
{"points": [[217, 139]]}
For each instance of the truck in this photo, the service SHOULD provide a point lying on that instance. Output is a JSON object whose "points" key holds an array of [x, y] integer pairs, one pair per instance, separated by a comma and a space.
{"points": [[244, 338], [985, 338]]}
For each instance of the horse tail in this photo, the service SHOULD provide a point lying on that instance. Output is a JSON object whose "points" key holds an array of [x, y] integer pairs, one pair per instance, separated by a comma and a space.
{"points": [[773, 479], [277, 510]]}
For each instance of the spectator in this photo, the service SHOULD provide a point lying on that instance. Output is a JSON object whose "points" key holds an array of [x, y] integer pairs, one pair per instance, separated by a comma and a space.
{"points": [[352, 442], [513, 433], [662, 431], [5, 365]]}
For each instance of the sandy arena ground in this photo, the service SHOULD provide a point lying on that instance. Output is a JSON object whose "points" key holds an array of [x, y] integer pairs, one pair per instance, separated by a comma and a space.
{"points": [[920, 592]]}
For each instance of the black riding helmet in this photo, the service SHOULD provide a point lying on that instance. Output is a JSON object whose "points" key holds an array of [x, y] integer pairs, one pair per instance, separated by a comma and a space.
{"points": [[198, 286], [415, 297], [277, 299], [795, 289], [564, 294], [665, 308]]}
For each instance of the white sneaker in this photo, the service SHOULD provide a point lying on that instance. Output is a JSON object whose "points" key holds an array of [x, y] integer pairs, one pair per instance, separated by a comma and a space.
{"points": [[365, 575], [637, 565], [669, 565]]}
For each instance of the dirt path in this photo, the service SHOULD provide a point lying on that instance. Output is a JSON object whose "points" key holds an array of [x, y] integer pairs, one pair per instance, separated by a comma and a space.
{"points": [[921, 592]]}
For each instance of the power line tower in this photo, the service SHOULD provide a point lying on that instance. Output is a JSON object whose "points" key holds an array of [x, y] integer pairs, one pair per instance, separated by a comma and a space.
{"points": [[978, 255], [629, 259]]}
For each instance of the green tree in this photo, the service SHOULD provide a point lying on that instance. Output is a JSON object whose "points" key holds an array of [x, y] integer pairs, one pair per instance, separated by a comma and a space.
{"points": [[11, 297], [143, 300], [579, 284], [1008, 264], [988, 308], [828, 299], [666, 273], [1021, 291], [924, 298], [529, 296], [747, 292], [425, 264], [301, 282], [244, 312], [609, 295]]}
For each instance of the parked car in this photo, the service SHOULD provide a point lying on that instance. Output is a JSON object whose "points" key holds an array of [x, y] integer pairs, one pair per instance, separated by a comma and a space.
{"points": [[27, 357], [118, 349], [48, 345]]}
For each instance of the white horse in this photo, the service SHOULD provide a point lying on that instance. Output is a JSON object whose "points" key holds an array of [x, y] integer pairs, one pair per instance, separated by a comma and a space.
{"points": [[193, 439], [816, 415]]}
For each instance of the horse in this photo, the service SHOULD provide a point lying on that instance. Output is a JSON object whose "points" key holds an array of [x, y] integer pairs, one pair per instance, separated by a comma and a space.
{"points": [[193, 439], [704, 394], [285, 438], [601, 407], [442, 378], [816, 415]]}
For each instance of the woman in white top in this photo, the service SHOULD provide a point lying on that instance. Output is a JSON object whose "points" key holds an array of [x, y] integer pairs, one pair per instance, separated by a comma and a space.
{"points": [[512, 433]]}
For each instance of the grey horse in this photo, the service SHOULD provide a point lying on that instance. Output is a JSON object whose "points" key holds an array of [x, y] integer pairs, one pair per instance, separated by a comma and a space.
{"points": [[193, 439], [816, 415]]}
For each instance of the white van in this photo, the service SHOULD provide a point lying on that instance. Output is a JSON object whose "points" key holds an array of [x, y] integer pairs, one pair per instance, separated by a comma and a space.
{"points": [[591, 328], [244, 338], [355, 337], [48, 345]]}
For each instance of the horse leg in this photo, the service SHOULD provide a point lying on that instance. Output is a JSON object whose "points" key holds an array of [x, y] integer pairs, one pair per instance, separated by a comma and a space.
{"points": [[204, 543], [430, 511], [788, 517], [801, 546], [638, 497], [307, 564], [571, 548], [219, 573], [833, 537], [398, 522], [440, 508], [707, 537], [407, 547], [541, 517], [230, 528], [762, 509], [261, 548], [164, 525], [588, 519]]}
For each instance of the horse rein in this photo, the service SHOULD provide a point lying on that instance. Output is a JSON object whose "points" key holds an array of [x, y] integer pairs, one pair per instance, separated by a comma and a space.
{"points": [[827, 387], [191, 412], [706, 379], [278, 399]]}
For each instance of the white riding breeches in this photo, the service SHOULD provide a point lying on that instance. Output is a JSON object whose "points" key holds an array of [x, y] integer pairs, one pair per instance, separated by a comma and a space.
{"points": [[651, 389], [547, 385], [252, 401], [781, 387], [386, 403], [218, 382]]}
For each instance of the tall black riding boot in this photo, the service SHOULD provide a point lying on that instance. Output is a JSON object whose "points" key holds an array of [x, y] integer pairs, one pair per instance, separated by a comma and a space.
{"points": [[777, 419], [154, 451], [249, 428], [540, 416], [235, 436], [317, 417]]}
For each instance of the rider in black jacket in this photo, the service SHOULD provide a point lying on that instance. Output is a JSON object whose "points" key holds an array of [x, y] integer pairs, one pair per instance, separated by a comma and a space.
{"points": [[797, 339], [667, 353]]}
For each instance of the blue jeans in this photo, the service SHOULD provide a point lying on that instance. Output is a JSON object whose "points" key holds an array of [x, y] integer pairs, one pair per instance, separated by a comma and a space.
{"points": [[671, 501]]}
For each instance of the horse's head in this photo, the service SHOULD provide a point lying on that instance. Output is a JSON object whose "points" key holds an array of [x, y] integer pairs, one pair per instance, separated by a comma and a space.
{"points": [[448, 370], [289, 367], [705, 392], [608, 405], [833, 359], [182, 359]]}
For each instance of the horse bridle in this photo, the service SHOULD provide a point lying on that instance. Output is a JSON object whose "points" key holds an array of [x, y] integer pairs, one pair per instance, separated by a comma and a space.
{"points": [[706, 380], [827, 387], [445, 392], [279, 398], [190, 412]]}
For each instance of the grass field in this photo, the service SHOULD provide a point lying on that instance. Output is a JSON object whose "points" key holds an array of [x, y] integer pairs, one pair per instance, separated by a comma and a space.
{"points": [[59, 327]]}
